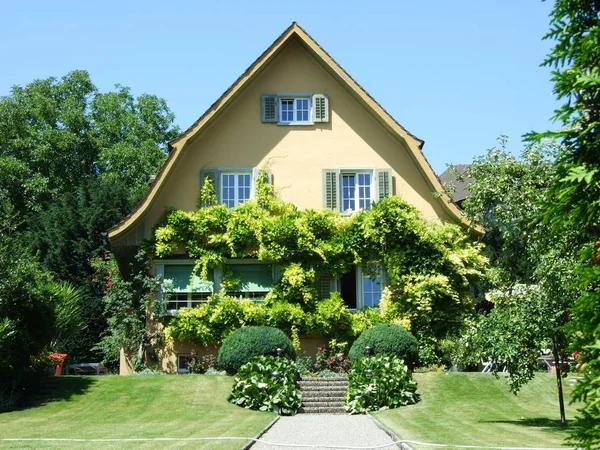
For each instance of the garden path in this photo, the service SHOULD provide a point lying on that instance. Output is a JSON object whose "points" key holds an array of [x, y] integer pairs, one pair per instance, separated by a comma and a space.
{"points": [[315, 430]]}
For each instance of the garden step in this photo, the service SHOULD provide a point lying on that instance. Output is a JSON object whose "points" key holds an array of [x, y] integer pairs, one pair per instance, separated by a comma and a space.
{"points": [[326, 380], [323, 387], [322, 404], [339, 400], [323, 395], [335, 383], [322, 410], [329, 394]]}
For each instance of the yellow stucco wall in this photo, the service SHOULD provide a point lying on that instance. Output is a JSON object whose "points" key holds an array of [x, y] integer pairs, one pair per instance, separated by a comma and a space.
{"points": [[296, 154], [167, 355]]}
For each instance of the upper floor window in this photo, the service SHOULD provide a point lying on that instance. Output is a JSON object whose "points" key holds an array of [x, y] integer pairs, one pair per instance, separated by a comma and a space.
{"points": [[348, 189], [357, 191], [234, 185], [235, 188], [295, 108]]}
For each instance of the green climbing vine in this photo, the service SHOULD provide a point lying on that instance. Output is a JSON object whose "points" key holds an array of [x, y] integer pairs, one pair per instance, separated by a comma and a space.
{"points": [[431, 269]]}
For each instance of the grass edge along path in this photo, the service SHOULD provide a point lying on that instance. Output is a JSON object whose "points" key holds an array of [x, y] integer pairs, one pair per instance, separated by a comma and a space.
{"points": [[153, 406], [478, 409]]}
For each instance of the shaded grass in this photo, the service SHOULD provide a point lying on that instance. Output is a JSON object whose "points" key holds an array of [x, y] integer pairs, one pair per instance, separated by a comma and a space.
{"points": [[478, 409], [133, 407]]}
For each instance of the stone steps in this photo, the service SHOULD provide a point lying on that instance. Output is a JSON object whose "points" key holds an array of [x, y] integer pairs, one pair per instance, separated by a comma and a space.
{"points": [[323, 395]]}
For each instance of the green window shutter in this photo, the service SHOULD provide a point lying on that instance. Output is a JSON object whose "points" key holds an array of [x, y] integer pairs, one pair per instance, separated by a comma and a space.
{"points": [[276, 272], [331, 198], [214, 176], [320, 108], [323, 286], [384, 183], [180, 279], [253, 277], [269, 108]]}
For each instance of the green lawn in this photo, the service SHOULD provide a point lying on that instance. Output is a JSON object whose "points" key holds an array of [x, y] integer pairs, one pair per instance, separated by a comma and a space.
{"points": [[478, 409], [134, 407]]}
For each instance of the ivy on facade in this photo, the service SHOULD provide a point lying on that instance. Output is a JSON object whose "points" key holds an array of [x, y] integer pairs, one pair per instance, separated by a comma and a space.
{"points": [[432, 269]]}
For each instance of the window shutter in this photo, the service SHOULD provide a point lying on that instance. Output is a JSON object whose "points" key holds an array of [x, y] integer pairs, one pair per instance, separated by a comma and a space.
{"points": [[330, 190], [320, 108], [276, 272], [323, 285], [214, 176], [384, 183], [269, 106], [256, 174]]}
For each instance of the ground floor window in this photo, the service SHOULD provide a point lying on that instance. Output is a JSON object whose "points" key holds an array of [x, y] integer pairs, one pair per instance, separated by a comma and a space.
{"points": [[361, 288], [182, 287], [254, 281]]}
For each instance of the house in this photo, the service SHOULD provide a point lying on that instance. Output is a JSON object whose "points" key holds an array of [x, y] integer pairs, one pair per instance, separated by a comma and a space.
{"points": [[450, 178], [326, 141]]}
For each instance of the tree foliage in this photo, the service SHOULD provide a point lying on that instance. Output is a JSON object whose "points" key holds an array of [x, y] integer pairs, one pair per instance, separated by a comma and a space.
{"points": [[73, 162], [27, 314], [532, 284], [574, 200], [506, 195]]}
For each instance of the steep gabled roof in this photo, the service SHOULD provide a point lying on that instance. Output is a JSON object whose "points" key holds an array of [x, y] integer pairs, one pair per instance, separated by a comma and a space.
{"points": [[294, 31]]}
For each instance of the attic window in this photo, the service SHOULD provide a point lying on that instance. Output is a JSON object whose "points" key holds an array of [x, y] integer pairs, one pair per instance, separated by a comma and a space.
{"points": [[295, 108]]}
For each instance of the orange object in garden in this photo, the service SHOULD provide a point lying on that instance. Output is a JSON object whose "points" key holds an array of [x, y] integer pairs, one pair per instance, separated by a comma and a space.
{"points": [[59, 358]]}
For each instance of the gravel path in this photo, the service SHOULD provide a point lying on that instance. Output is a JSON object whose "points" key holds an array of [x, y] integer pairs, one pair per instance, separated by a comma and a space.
{"points": [[322, 430]]}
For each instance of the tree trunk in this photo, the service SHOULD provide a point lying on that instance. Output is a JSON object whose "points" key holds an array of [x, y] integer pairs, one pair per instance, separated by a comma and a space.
{"points": [[558, 366]]}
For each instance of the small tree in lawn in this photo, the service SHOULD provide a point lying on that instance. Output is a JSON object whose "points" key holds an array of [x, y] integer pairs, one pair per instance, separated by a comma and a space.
{"points": [[532, 264]]}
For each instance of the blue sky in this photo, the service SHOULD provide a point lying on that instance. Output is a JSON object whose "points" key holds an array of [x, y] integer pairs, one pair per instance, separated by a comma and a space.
{"points": [[456, 74]]}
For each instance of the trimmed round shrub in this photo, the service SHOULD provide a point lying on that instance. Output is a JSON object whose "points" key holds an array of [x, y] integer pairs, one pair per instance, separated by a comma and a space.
{"points": [[247, 342], [389, 339]]}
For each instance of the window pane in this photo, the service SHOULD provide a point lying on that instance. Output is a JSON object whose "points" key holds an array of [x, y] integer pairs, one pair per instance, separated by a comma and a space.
{"points": [[253, 277], [287, 110], [348, 193], [364, 190], [179, 277], [371, 291]]}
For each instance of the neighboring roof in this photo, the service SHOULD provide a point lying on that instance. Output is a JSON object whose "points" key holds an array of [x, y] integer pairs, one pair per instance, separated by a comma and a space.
{"points": [[294, 31], [461, 187]]}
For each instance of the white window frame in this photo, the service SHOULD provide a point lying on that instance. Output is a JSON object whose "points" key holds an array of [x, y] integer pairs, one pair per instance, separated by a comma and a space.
{"points": [[360, 295], [293, 96], [356, 172], [360, 276], [236, 173], [159, 271]]}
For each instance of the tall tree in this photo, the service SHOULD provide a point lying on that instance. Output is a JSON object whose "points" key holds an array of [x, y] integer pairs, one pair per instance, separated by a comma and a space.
{"points": [[73, 162], [575, 194]]}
